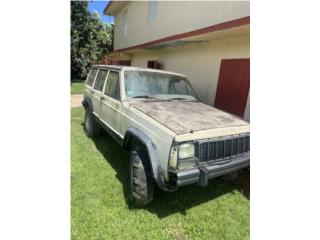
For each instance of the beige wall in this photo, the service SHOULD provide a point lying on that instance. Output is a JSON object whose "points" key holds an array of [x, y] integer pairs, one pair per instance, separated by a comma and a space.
{"points": [[200, 63], [173, 18]]}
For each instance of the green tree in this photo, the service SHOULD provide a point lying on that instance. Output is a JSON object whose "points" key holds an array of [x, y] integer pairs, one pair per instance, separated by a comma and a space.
{"points": [[90, 38]]}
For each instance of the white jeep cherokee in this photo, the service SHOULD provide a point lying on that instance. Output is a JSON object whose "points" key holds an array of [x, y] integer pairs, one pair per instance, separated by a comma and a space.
{"points": [[172, 137]]}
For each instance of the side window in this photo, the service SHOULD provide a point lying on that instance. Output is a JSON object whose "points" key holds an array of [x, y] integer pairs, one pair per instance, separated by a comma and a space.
{"points": [[113, 86], [101, 77], [92, 76]]}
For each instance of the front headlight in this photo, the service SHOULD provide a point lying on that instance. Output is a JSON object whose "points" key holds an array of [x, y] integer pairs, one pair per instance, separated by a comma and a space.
{"points": [[186, 150]]}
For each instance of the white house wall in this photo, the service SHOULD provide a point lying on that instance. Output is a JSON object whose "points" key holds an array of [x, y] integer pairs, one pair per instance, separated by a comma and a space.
{"points": [[173, 17]]}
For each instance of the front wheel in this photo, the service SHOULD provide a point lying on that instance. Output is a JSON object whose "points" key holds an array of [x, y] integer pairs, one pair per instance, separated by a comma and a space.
{"points": [[141, 181]]}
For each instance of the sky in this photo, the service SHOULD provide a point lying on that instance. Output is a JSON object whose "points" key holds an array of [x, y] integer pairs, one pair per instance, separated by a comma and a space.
{"points": [[99, 7]]}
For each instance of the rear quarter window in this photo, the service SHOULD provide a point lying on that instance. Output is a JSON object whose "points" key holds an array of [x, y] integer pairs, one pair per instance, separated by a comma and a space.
{"points": [[91, 76], [101, 77]]}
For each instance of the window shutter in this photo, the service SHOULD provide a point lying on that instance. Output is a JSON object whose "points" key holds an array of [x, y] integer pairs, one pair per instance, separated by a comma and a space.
{"points": [[152, 9], [125, 22]]}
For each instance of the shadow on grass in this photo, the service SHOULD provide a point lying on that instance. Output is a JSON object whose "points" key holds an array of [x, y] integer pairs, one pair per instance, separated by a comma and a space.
{"points": [[242, 182], [164, 203]]}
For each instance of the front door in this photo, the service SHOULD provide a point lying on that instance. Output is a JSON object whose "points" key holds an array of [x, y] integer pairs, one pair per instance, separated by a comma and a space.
{"points": [[233, 86]]}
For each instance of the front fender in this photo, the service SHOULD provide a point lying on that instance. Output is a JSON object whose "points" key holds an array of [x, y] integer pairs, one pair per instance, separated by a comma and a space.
{"points": [[133, 132]]}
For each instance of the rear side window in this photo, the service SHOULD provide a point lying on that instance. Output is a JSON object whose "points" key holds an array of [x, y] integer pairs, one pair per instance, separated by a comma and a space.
{"points": [[101, 77], [113, 87], [92, 76]]}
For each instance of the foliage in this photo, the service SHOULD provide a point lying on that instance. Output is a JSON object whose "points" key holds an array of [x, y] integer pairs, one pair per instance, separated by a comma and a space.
{"points": [[100, 206], [90, 38]]}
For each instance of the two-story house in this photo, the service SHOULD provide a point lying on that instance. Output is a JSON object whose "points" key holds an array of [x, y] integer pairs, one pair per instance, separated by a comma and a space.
{"points": [[207, 41]]}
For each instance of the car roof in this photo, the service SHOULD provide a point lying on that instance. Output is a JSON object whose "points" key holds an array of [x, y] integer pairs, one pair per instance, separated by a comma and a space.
{"points": [[129, 68]]}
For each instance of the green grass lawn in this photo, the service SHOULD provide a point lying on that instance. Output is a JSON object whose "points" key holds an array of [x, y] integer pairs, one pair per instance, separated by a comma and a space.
{"points": [[100, 208], [77, 87]]}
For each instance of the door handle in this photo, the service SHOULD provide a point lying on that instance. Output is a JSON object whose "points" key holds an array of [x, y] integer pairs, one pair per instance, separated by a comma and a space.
{"points": [[102, 97]]}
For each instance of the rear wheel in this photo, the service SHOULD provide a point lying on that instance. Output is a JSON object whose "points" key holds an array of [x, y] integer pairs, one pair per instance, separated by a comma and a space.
{"points": [[141, 180], [91, 127]]}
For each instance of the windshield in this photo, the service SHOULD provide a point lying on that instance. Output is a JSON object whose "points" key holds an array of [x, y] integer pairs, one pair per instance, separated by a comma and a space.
{"points": [[140, 84]]}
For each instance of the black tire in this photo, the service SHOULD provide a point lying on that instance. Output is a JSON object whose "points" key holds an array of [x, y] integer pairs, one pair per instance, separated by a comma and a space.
{"points": [[91, 127], [141, 185]]}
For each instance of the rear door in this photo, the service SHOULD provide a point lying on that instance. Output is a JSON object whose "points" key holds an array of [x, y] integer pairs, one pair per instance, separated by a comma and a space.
{"points": [[97, 90], [233, 86], [111, 102]]}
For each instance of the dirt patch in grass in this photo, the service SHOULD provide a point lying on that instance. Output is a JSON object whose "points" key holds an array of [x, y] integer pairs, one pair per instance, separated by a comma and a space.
{"points": [[76, 100]]}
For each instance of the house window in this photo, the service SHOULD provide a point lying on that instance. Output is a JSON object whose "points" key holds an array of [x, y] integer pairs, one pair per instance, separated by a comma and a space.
{"points": [[125, 22], [152, 9], [154, 64]]}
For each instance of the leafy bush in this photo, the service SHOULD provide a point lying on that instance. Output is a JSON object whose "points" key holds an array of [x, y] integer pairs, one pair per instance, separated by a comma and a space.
{"points": [[90, 38]]}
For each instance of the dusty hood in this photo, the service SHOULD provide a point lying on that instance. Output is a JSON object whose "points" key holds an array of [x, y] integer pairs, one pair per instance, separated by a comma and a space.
{"points": [[185, 116]]}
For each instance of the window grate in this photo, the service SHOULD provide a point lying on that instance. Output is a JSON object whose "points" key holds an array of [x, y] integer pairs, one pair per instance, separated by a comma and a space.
{"points": [[152, 9], [125, 22]]}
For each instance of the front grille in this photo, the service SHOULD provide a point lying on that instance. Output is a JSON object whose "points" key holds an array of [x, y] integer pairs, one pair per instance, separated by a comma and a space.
{"points": [[222, 148]]}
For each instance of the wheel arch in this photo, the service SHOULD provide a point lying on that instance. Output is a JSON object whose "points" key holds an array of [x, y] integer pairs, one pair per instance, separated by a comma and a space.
{"points": [[135, 134], [87, 104]]}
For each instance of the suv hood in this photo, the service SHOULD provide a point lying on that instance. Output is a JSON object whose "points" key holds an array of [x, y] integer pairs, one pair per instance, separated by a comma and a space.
{"points": [[186, 117]]}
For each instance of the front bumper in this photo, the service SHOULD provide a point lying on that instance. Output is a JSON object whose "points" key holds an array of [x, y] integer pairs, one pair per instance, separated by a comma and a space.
{"points": [[202, 173]]}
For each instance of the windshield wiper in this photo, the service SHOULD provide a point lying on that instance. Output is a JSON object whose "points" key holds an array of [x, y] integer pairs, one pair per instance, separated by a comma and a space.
{"points": [[143, 96], [180, 98]]}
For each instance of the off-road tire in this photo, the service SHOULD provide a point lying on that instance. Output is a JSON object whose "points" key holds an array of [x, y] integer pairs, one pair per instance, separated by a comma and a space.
{"points": [[141, 184], [91, 127]]}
